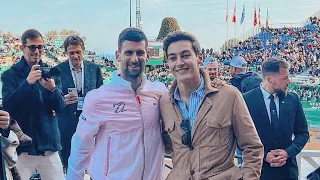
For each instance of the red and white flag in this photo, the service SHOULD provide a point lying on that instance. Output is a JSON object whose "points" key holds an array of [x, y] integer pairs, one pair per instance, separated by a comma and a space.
{"points": [[234, 17], [259, 16], [255, 21]]}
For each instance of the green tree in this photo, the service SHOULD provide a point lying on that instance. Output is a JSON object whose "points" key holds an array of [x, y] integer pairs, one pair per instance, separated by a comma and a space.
{"points": [[169, 25]]}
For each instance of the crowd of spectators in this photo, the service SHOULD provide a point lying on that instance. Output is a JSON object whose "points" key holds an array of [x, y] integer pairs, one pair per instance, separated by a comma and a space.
{"points": [[9, 50], [307, 92], [159, 73], [299, 46]]}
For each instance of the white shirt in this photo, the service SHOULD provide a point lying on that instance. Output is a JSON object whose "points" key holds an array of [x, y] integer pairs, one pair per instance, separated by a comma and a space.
{"points": [[266, 96], [77, 76]]}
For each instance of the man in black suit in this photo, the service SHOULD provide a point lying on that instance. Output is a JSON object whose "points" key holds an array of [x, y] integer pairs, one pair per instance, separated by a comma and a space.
{"points": [[81, 75], [278, 115]]}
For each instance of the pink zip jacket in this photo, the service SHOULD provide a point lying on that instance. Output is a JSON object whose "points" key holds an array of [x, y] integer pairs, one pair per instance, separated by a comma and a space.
{"points": [[119, 134]]}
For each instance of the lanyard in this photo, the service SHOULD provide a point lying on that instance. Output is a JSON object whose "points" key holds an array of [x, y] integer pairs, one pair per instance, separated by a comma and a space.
{"points": [[74, 77]]}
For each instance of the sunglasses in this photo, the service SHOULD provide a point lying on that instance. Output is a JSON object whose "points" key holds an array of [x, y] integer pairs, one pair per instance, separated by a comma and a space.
{"points": [[34, 47], [186, 137]]}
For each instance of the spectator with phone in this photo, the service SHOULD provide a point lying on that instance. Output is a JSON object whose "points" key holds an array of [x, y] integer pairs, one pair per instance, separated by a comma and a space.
{"points": [[32, 100], [78, 77]]}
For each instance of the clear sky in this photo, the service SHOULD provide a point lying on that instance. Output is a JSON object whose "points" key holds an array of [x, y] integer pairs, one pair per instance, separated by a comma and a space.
{"points": [[101, 21]]}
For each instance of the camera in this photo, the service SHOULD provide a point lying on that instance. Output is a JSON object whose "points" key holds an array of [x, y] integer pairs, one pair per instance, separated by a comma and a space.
{"points": [[49, 72]]}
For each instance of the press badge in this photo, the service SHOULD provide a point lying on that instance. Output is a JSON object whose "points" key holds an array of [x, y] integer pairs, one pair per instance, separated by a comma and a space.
{"points": [[80, 103]]}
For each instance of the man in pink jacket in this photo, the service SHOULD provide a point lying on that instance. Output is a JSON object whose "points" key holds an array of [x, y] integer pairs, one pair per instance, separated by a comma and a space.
{"points": [[118, 135]]}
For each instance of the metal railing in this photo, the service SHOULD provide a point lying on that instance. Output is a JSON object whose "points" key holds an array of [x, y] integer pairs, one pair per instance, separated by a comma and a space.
{"points": [[307, 155]]}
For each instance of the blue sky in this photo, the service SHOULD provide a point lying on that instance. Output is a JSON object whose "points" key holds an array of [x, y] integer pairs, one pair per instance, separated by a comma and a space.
{"points": [[101, 21]]}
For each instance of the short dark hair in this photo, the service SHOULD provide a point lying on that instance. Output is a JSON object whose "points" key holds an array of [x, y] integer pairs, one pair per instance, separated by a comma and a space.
{"points": [[273, 65], [132, 34], [181, 36], [73, 40], [30, 34]]}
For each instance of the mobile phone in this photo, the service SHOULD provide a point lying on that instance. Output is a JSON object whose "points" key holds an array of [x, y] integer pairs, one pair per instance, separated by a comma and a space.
{"points": [[73, 91]]}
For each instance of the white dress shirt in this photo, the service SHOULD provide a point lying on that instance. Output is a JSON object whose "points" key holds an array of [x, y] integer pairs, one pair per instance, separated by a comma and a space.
{"points": [[266, 96]]}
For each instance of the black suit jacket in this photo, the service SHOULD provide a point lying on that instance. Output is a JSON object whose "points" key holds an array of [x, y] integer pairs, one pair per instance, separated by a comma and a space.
{"points": [[92, 80], [292, 121]]}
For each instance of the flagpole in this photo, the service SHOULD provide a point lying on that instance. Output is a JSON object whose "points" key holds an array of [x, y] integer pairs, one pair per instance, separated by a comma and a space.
{"points": [[235, 23], [227, 18], [259, 20], [244, 22], [255, 16]]}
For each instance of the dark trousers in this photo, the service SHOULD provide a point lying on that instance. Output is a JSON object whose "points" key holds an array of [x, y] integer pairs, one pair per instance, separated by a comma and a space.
{"points": [[66, 144], [65, 152]]}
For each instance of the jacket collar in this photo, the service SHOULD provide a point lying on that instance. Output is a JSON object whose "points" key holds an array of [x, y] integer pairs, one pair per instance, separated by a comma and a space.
{"points": [[117, 80], [23, 67], [198, 91], [207, 83]]}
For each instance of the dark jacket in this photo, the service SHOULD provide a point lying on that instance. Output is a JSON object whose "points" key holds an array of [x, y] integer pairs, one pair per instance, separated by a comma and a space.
{"points": [[68, 118], [32, 106], [291, 121], [246, 81]]}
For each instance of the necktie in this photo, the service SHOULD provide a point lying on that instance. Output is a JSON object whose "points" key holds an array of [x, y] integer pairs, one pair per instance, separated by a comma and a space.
{"points": [[273, 110], [274, 120]]}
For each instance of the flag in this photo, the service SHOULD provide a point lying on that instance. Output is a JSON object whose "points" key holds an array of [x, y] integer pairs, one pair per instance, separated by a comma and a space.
{"points": [[234, 17], [259, 18], [255, 17], [267, 21], [243, 14], [227, 12]]}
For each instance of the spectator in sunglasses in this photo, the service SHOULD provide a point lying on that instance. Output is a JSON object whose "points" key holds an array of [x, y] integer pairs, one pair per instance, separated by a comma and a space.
{"points": [[202, 124], [32, 101]]}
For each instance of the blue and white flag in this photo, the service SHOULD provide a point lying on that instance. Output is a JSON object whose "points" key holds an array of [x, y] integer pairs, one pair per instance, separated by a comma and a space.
{"points": [[243, 15]]}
